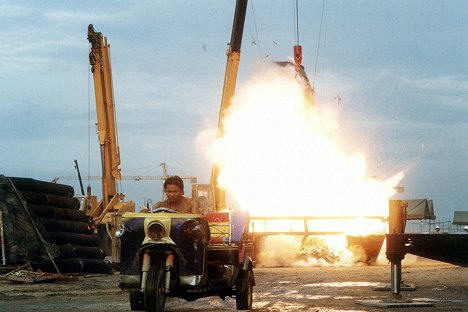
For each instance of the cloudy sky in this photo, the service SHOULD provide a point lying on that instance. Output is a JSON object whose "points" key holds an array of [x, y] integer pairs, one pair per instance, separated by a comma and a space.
{"points": [[395, 73]]}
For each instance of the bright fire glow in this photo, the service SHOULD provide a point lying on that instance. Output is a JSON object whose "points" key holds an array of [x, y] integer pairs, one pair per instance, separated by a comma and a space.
{"points": [[279, 157]]}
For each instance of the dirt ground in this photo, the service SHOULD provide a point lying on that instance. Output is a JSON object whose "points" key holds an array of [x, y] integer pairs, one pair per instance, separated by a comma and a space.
{"points": [[278, 289]]}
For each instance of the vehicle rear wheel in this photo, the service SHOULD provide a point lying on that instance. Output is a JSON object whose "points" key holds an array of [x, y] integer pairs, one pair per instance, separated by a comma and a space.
{"points": [[155, 296], [137, 302], [244, 290]]}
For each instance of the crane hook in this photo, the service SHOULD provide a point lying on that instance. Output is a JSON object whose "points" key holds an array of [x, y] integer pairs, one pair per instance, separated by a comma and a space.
{"points": [[298, 55], [297, 47]]}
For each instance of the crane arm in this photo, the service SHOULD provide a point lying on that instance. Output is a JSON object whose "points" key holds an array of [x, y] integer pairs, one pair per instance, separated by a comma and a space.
{"points": [[232, 63], [229, 86], [99, 59]]}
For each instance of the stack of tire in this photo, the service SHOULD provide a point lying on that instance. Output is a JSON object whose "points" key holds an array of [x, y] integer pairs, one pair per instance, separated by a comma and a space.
{"points": [[54, 206]]}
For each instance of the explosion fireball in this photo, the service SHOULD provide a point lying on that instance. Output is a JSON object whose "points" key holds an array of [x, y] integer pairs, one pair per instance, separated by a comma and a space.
{"points": [[279, 156]]}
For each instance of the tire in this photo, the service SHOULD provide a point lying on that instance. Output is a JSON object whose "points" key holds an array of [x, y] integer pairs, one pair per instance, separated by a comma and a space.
{"points": [[84, 252], [137, 301], [78, 266], [155, 297], [244, 290], [78, 239], [36, 198], [44, 211], [31, 185], [54, 225]]}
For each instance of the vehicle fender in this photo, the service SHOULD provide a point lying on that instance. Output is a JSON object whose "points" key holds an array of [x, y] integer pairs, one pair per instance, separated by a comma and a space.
{"points": [[162, 249], [145, 266], [248, 265], [168, 268], [157, 246]]}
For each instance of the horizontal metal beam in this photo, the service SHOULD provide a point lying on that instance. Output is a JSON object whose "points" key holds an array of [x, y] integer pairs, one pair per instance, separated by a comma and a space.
{"points": [[135, 178], [298, 233], [268, 218]]}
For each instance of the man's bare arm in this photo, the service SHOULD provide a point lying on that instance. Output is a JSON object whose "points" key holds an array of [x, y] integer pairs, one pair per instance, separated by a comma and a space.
{"points": [[159, 204], [195, 206]]}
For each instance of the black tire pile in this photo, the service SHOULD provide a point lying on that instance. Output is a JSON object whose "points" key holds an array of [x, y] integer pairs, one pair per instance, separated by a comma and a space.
{"points": [[54, 206]]}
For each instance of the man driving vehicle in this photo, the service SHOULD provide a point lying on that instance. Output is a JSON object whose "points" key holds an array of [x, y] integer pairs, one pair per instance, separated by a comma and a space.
{"points": [[174, 189]]}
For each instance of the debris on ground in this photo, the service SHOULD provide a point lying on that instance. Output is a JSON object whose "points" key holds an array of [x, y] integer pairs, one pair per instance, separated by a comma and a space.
{"points": [[25, 274]]}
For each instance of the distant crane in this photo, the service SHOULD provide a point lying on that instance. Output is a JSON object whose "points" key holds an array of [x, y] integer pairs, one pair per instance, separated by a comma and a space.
{"points": [[134, 178], [192, 179]]}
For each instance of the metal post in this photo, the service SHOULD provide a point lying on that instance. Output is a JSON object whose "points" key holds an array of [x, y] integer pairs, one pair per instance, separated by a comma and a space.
{"points": [[396, 278], [395, 248], [3, 239], [79, 177], [230, 226]]}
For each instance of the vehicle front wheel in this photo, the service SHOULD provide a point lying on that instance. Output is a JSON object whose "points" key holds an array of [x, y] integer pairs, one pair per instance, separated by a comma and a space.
{"points": [[244, 290], [155, 296], [137, 302]]}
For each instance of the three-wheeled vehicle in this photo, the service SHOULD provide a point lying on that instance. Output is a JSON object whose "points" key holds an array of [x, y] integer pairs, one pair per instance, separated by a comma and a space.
{"points": [[189, 256]]}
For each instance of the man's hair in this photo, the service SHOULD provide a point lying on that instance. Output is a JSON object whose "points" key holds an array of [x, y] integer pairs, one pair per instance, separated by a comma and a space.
{"points": [[174, 180]]}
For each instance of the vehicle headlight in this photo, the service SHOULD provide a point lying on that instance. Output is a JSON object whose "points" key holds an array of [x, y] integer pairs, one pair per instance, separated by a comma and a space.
{"points": [[156, 230], [197, 233], [120, 231]]}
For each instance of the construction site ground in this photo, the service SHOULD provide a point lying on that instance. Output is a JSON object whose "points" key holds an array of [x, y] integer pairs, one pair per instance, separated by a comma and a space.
{"points": [[278, 289]]}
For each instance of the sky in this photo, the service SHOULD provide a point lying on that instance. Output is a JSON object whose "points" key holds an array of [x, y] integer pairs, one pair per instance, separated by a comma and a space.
{"points": [[394, 72]]}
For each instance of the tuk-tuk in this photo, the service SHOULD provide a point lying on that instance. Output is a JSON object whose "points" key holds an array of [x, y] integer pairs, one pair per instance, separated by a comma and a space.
{"points": [[189, 256]]}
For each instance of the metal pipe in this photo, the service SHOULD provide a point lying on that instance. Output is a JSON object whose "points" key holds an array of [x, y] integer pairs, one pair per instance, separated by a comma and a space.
{"points": [[79, 177], [267, 218], [230, 226], [396, 278], [3, 239], [145, 266], [169, 266], [300, 233]]}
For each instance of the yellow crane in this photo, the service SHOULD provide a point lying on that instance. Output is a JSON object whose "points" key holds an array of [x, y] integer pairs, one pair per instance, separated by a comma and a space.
{"points": [[106, 214], [229, 86]]}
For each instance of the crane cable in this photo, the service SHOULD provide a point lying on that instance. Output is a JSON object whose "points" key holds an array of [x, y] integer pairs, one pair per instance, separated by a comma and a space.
{"points": [[318, 45], [296, 22], [256, 30], [89, 121]]}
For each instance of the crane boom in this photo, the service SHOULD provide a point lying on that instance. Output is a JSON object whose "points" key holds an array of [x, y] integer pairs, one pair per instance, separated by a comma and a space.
{"points": [[229, 86], [99, 58], [107, 213]]}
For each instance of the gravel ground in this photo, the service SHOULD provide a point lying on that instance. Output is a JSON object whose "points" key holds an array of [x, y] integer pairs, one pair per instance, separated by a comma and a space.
{"points": [[278, 289]]}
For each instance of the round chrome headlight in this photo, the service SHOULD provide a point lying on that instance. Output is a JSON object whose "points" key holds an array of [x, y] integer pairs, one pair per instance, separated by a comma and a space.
{"points": [[197, 233], [120, 231], [156, 230]]}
